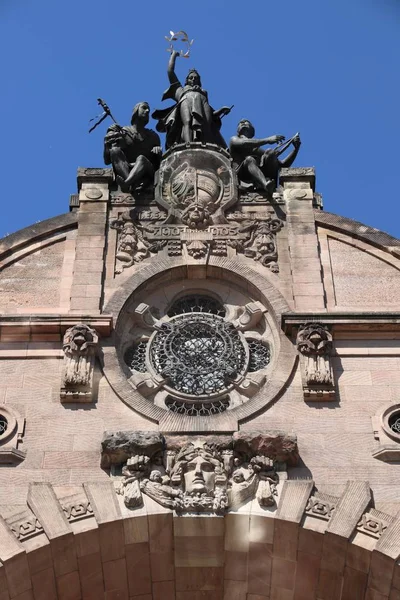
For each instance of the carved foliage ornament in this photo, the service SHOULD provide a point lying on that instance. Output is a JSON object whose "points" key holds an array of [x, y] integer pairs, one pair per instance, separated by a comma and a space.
{"points": [[80, 345], [314, 343], [199, 475]]}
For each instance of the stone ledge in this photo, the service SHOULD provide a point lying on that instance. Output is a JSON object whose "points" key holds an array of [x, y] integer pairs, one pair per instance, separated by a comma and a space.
{"points": [[344, 320], [26, 328], [306, 174], [94, 175]]}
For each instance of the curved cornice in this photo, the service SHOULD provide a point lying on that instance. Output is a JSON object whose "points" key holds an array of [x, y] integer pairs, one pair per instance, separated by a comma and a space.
{"points": [[370, 235], [38, 231]]}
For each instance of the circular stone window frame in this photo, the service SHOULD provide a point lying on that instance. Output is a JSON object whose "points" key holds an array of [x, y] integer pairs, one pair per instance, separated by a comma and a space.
{"points": [[235, 272], [385, 417], [12, 424]]}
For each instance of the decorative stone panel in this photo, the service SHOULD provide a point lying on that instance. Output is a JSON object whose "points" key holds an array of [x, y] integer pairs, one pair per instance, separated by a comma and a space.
{"points": [[192, 475]]}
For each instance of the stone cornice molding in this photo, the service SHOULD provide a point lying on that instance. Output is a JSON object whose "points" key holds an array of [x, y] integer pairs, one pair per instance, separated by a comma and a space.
{"points": [[26, 328], [29, 235], [367, 234], [344, 321]]}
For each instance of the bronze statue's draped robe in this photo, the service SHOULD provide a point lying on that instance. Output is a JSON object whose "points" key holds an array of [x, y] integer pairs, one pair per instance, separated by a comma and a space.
{"points": [[191, 103]]}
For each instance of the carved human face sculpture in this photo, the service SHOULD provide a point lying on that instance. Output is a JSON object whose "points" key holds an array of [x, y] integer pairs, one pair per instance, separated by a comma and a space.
{"points": [[199, 476], [264, 242]]}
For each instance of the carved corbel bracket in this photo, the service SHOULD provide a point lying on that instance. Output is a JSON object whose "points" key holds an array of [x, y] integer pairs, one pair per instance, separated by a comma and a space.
{"points": [[147, 384], [250, 317], [251, 384], [144, 316], [314, 344], [80, 346]]}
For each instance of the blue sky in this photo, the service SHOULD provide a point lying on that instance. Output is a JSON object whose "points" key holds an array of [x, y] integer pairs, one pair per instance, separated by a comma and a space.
{"points": [[326, 68]]}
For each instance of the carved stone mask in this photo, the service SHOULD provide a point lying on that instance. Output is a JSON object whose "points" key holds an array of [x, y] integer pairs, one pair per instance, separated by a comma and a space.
{"points": [[199, 476], [79, 338]]}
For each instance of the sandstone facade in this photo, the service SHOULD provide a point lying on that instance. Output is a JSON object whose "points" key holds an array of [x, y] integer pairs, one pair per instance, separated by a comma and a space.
{"points": [[332, 529]]}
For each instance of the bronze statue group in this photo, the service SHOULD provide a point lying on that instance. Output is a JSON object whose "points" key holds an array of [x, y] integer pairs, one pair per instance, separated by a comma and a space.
{"points": [[135, 151]]}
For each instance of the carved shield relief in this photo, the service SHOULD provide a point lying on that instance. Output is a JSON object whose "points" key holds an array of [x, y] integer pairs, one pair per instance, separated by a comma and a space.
{"points": [[196, 185]]}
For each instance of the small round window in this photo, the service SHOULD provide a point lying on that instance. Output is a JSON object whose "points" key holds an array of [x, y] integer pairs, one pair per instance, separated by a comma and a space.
{"points": [[3, 424], [390, 420], [394, 422]]}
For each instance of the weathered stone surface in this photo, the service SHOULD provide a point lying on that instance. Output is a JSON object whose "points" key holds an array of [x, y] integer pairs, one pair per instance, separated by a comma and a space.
{"points": [[277, 445], [119, 446]]}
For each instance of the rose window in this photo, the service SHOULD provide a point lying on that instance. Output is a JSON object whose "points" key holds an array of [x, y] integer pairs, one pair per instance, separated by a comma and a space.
{"points": [[201, 357], [136, 357], [199, 354]]}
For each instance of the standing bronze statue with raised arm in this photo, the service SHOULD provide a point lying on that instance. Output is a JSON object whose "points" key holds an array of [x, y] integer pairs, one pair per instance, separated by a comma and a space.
{"points": [[258, 166], [134, 151], [191, 119]]}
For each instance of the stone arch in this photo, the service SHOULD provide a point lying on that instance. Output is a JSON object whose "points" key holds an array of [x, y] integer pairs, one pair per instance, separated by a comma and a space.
{"points": [[88, 545]]}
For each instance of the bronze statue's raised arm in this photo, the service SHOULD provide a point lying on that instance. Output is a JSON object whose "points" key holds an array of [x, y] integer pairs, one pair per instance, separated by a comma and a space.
{"points": [[171, 68], [290, 158], [250, 144]]}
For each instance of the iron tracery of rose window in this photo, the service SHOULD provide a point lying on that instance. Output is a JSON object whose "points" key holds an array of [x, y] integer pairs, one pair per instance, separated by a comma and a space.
{"points": [[259, 355], [200, 354], [197, 409], [197, 303], [135, 357]]}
